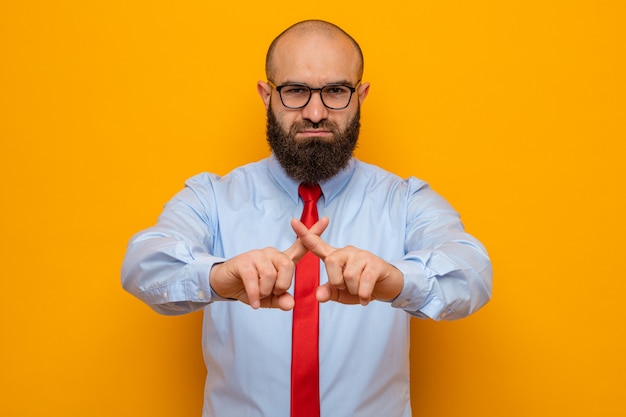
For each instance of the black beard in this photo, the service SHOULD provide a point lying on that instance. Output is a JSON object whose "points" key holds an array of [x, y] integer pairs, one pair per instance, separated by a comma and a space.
{"points": [[312, 160]]}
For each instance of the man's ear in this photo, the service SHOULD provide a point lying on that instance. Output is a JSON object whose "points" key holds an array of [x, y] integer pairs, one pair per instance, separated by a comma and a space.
{"points": [[265, 91], [363, 91]]}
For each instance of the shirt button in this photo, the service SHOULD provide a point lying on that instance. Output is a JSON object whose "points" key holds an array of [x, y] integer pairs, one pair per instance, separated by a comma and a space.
{"points": [[201, 295], [404, 303], [165, 295]]}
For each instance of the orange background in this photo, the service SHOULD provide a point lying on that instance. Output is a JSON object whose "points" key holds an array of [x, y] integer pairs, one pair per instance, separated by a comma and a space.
{"points": [[513, 110]]}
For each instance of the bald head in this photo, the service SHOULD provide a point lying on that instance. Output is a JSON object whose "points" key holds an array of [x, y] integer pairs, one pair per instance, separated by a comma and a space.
{"points": [[309, 28]]}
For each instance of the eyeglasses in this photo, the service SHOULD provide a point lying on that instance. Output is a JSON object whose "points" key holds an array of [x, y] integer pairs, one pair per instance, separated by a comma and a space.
{"points": [[297, 96]]}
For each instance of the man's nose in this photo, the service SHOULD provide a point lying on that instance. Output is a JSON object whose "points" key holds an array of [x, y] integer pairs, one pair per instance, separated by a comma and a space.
{"points": [[315, 111]]}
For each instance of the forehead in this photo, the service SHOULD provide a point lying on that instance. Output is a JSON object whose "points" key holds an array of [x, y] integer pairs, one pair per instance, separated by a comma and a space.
{"points": [[316, 59]]}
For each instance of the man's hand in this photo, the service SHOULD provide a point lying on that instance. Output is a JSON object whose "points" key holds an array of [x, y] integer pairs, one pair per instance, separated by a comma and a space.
{"points": [[354, 275], [262, 277]]}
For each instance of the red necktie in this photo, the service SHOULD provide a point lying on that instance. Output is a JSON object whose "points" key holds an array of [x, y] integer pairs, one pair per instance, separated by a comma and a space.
{"points": [[305, 386]]}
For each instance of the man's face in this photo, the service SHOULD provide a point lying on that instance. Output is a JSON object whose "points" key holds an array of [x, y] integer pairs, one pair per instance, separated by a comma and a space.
{"points": [[313, 143]]}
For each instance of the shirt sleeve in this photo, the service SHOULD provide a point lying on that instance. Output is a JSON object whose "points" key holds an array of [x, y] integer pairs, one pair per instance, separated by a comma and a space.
{"points": [[447, 272], [167, 266]]}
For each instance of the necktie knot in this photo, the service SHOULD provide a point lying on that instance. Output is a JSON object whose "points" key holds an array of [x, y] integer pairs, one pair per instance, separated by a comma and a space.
{"points": [[310, 192]]}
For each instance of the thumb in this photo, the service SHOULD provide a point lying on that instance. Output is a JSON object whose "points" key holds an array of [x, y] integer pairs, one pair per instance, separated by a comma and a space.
{"points": [[324, 293]]}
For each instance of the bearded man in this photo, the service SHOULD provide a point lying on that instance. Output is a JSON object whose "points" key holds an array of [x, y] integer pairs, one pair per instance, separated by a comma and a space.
{"points": [[311, 317]]}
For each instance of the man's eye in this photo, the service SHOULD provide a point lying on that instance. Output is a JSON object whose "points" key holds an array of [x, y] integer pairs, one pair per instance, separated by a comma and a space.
{"points": [[295, 90], [336, 91]]}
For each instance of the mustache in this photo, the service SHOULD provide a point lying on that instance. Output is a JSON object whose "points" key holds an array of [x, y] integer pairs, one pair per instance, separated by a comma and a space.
{"points": [[307, 124]]}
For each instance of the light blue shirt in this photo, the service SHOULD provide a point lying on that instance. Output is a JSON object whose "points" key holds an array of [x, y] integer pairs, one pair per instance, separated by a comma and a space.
{"points": [[364, 351]]}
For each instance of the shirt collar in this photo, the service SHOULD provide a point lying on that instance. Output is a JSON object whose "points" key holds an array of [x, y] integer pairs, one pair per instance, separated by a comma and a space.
{"points": [[330, 188]]}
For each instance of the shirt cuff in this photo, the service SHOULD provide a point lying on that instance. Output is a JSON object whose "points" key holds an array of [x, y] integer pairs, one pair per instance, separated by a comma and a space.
{"points": [[194, 286], [415, 287], [415, 297], [198, 288]]}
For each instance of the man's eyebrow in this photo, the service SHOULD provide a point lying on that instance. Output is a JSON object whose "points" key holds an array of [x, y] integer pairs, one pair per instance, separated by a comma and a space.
{"points": [[341, 82]]}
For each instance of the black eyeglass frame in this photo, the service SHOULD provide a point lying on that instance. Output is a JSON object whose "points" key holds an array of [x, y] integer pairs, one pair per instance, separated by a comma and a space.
{"points": [[311, 90]]}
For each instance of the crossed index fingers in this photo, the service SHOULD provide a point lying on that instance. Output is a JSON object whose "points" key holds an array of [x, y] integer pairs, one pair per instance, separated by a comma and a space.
{"points": [[311, 239], [300, 247], [314, 243]]}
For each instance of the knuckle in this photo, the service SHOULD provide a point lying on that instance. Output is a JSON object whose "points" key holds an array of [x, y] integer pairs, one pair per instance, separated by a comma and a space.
{"points": [[267, 252], [266, 272], [280, 286], [351, 272], [283, 262], [333, 259], [337, 281]]}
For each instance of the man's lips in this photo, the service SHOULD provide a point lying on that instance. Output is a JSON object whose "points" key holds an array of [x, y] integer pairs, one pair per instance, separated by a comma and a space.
{"points": [[314, 132]]}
